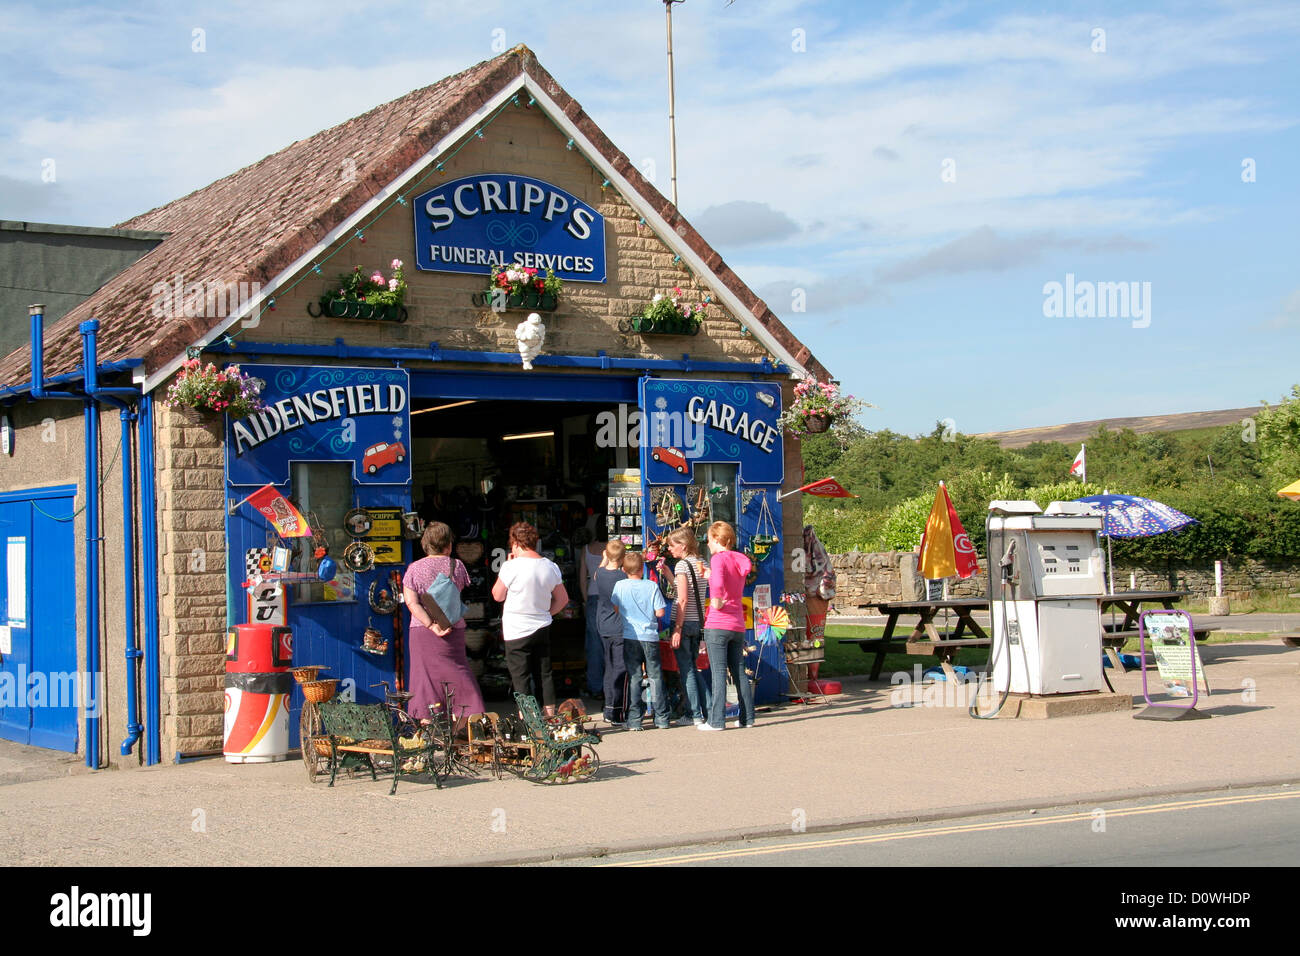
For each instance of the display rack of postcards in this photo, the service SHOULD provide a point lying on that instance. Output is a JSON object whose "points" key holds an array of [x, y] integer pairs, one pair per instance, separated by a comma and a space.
{"points": [[624, 506]]}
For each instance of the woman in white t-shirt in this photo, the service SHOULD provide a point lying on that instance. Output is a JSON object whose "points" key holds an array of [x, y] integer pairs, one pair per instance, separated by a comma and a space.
{"points": [[532, 590]]}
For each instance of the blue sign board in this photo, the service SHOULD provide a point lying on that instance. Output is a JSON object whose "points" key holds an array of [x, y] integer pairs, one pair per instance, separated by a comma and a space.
{"points": [[361, 415], [473, 224], [689, 421]]}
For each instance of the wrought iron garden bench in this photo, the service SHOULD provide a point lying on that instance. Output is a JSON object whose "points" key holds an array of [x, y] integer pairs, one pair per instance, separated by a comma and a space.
{"points": [[358, 733]]}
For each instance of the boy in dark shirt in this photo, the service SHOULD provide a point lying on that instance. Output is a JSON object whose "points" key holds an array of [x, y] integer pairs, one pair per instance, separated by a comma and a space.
{"points": [[610, 627]]}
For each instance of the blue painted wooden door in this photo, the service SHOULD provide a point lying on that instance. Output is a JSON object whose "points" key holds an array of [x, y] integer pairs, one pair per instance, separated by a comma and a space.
{"points": [[40, 688]]}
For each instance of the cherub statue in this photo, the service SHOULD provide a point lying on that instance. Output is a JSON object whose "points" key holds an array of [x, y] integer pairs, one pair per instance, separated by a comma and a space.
{"points": [[530, 334]]}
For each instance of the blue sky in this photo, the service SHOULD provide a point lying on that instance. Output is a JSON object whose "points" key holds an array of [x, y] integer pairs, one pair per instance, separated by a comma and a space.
{"points": [[914, 174]]}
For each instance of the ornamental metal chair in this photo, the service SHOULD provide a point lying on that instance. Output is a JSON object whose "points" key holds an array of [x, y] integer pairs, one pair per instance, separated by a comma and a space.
{"points": [[562, 752]]}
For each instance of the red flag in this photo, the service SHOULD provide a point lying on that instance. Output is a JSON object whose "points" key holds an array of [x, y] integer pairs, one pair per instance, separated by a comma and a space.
{"points": [[277, 509], [826, 488]]}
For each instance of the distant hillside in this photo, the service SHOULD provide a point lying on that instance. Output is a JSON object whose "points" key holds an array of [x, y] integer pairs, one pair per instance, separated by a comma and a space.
{"points": [[1079, 431]]}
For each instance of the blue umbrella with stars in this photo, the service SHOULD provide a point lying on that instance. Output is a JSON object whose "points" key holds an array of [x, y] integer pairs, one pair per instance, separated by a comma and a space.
{"points": [[1128, 516]]}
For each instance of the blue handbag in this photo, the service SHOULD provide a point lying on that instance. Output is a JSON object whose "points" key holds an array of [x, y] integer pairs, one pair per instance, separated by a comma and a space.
{"points": [[444, 593]]}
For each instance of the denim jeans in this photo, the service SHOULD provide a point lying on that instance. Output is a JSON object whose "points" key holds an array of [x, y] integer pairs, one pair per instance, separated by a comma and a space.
{"points": [[689, 677], [727, 653], [595, 652], [634, 652]]}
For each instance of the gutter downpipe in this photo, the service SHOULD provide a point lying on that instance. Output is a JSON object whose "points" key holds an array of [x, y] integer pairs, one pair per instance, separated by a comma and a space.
{"points": [[91, 434], [90, 363], [149, 556], [37, 313]]}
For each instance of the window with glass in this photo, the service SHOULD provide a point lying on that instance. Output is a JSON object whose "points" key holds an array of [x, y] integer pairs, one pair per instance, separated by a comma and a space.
{"points": [[325, 489]]}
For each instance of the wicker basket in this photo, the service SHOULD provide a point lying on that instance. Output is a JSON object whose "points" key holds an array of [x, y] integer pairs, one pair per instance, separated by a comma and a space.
{"points": [[319, 691], [307, 672]]}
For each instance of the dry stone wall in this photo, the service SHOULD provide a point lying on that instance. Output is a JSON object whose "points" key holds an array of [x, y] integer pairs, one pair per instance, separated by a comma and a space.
{"points": [[864, 578]]}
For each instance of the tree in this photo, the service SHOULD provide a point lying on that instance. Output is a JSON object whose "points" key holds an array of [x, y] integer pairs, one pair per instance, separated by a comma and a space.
{"points": [[1277, 433]]}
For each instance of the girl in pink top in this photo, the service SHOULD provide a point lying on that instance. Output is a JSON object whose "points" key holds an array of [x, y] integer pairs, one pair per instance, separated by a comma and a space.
{"points": [[724, 627]]}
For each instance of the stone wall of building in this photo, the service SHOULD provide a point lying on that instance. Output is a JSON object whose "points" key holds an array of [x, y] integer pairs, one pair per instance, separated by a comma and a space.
{"points": [[192, 585]]}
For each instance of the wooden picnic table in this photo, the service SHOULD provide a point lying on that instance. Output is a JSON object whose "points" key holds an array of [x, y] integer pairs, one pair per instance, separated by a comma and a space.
{"points": [[925, 635], [1130, 602], [1115, 635]]}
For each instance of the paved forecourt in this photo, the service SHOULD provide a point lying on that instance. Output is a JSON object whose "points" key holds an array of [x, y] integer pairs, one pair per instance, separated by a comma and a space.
{"points": [[861, 760]]}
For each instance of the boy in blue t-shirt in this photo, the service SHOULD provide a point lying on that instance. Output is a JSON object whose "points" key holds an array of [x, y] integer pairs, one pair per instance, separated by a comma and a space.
{"points": [[640, 604]]}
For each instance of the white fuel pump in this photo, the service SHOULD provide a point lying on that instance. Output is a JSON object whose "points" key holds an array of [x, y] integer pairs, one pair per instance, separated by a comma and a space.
{"points": [[1045, 594]]}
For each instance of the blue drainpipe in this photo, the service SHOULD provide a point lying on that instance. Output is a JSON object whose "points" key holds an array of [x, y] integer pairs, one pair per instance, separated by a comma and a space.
{"points": [[133, 726], [90, 366], [149, 571]]}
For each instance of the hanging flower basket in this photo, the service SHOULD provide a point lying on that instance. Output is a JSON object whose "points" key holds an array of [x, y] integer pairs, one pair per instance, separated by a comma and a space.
{"points": [[818, 407], [669, 315], [371, 297], [523, 288], [200, 391]]}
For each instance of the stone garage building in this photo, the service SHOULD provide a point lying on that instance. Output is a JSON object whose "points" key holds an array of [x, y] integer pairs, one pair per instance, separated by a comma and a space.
{"points": [[425, 409]]}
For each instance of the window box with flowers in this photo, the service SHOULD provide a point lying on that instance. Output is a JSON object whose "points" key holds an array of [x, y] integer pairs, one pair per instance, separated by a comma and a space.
{"points": [[361, 296], [669, 315], [204, 388], [522, 287], [820, 407]]}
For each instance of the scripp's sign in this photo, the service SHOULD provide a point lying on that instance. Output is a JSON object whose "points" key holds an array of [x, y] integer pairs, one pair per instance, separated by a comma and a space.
{"points": [[475, 224]]}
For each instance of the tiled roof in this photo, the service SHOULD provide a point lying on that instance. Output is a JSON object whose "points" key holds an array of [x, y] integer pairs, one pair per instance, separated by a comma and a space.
{"points": [[251, 225]]}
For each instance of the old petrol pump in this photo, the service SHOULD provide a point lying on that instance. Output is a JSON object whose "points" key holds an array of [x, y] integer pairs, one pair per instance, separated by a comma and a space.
{"points": [[1045, 590]]}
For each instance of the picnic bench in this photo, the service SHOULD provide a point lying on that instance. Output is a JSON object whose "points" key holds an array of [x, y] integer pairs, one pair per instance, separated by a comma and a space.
{"points": [[926, 637]]}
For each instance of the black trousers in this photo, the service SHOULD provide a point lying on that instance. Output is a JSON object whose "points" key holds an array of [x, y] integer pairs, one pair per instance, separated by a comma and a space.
{"points": [[529, 663], [616, 680]]}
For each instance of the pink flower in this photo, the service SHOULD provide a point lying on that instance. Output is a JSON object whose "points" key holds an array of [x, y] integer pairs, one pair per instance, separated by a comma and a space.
{"points": [[392, 285], [396, 264]]}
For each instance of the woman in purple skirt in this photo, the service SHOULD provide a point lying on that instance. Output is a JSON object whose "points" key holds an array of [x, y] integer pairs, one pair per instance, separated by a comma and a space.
{"points": [[435, 654]]}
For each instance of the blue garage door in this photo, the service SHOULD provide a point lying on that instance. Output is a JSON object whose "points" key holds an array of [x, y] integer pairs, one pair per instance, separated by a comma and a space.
{"points": [[39, 687]]}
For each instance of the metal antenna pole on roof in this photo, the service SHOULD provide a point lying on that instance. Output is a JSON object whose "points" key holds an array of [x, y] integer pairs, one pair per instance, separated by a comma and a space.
{"points": [[672, 122]]}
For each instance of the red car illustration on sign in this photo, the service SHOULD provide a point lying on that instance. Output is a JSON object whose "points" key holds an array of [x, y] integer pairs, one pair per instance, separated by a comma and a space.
{"points": [[381, 456], [672, 457]]}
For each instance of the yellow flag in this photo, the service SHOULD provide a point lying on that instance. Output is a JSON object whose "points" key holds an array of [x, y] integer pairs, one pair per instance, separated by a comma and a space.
{"points": [[1291, 491]]}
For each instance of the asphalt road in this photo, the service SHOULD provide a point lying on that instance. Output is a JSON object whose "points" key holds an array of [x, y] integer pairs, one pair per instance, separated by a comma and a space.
{"points": [[1251, 828]]}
